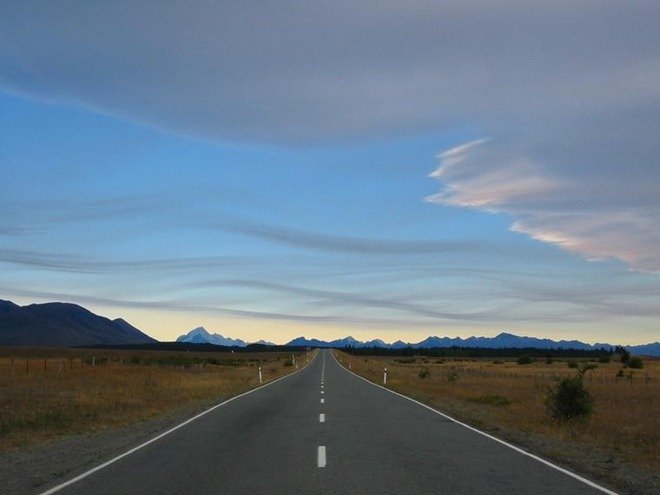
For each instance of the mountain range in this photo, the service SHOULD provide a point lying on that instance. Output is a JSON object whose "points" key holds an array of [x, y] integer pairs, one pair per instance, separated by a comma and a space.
{"points": [[200, 335], [63, 324], [68, 325], [503, 340]]}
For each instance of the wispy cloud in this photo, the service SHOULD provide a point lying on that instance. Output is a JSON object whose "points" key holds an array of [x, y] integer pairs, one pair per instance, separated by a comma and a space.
{"points": [[493, 178], [346, 244], [76, 263], [356, 299], [186, 306]]}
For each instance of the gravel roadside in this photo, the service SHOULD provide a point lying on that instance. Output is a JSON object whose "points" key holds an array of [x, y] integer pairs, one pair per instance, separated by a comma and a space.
{"points": [[28, 470]]}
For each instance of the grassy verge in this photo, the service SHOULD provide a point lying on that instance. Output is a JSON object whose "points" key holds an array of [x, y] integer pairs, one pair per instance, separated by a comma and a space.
{"points": [[504, 395], [47, 393]]}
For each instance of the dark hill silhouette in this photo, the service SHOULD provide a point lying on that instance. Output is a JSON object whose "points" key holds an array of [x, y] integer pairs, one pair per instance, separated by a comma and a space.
{"points": [[63, 324]]}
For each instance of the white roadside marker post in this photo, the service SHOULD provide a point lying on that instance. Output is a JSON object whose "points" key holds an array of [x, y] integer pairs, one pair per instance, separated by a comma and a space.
{"points": [[385, 377], [261, 380], [349, 366]]}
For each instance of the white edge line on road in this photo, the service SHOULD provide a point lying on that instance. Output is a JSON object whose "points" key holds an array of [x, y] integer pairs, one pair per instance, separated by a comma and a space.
{"points": [[320, 457], [165, 433], [487, 435]]}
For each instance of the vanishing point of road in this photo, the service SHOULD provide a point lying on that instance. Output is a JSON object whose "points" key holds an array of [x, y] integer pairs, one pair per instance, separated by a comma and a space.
{"points": [[323, 430]]}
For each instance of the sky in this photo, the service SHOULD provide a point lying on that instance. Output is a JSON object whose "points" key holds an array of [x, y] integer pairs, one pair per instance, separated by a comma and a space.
{"points": [[377, 169]]}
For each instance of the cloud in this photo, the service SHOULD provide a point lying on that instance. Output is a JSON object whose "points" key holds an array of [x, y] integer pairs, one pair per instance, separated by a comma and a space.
{"points": [[179, 305], [291, 71], [77, 263], [555, 210], [356, 299], [346, 244], [569, 92]]}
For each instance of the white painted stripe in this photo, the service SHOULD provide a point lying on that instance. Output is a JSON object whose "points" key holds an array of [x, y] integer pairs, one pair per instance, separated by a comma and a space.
{"points": [[320, 457], [158, 437], [511, 446], [322, 401], [322, 392], [322, 418]]}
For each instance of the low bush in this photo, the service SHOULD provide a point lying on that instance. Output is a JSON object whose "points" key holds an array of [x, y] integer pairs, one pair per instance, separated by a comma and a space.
{"points": [[568, 399], [525, 360], [423, 373], [573, 364], [635, 363]]}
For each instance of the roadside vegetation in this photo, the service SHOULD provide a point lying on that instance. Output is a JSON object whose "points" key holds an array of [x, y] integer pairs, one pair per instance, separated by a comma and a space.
{"points": [[47, 393], [569, 408]]}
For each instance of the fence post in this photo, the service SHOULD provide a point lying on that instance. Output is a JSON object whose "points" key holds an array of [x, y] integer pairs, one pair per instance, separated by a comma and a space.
{"points": [[385, 377], [261, 380], [93, 360]]}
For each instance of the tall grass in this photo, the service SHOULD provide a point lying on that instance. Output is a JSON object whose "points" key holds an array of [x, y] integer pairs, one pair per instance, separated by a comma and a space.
{"points": [[502, 394], [45, 397]]}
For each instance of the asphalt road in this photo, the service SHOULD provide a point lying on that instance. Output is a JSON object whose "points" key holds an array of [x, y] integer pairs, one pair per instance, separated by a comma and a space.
{"points": [[324, 430]]}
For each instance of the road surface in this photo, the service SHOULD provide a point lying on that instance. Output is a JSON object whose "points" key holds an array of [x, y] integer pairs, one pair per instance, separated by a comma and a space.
{"points": [[324, 430]]}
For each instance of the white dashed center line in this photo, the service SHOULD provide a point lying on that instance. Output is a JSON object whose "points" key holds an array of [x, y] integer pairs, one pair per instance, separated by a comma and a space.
{"points": [[322, 401], [320, 458], [322, 418]]}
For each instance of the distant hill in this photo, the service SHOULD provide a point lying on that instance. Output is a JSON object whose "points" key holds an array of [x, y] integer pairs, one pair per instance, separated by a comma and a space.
{"points": [[200, 335], [501, 341], [63, 325]]}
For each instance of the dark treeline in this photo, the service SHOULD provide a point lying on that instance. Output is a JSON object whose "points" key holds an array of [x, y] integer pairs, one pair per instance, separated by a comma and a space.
{"points": [[479, 352], [186, 346]]}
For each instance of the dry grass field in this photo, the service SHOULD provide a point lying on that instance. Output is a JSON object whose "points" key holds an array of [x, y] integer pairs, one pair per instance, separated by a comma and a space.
{"points": [[46, 393], [499, 394]]}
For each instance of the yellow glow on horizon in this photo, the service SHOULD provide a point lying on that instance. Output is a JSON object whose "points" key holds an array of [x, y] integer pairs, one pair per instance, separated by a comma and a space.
{"points": [[168, 325]]}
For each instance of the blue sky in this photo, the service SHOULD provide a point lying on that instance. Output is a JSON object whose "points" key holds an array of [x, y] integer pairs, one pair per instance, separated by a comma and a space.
{"points": [[326, 172]]}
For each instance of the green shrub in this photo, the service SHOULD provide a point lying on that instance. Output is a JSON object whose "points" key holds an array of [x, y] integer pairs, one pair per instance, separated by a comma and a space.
{"points": [[573, 364], [525, 360], [497, 361], [568, 399], [423, 373], [604, 359], [635, 363]]}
